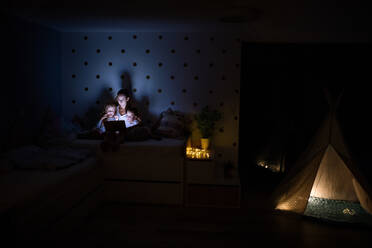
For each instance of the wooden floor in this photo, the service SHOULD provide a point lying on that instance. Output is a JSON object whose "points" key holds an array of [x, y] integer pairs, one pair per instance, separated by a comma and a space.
{"points": [[252, 225]]}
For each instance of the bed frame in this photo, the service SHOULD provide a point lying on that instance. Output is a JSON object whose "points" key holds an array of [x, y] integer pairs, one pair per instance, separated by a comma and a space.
{"points": [[142, 172], [149, 171]]}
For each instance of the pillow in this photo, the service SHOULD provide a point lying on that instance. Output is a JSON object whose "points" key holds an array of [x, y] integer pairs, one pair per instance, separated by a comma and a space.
{"points": [[54, 130], [171, 124]]}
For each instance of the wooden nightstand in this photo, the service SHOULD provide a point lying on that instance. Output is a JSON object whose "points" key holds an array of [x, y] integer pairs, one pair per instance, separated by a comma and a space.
{"points": [[206, 185]]}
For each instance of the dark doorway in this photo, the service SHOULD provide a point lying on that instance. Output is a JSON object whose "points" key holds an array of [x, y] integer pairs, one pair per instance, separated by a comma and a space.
{"points": [[283, 102]]}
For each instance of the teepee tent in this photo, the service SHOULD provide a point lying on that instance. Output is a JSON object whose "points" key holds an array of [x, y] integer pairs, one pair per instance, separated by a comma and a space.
{"points": [[325, 183]]}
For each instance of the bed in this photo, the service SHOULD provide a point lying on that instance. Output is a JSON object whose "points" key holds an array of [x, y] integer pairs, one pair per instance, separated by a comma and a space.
{"points": [[41, 188], [148, 171]]}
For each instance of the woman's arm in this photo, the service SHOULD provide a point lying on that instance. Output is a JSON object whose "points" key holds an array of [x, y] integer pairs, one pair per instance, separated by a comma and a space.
{"points": [[136, 118]]}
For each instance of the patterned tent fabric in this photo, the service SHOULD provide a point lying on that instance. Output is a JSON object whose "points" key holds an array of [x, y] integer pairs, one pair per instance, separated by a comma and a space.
{"points": [[337, 210]]}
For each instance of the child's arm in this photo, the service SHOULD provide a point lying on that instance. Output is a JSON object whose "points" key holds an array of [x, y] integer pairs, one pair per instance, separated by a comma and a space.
{"points": [[100, 124], [103, 117]]}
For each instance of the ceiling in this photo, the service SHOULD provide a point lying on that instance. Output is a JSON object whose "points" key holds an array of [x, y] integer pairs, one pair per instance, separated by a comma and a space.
{"points": [[306, 16]]}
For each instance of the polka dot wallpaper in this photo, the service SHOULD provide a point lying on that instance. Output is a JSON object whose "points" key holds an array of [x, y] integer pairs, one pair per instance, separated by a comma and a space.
{"points": [[182, 71]]}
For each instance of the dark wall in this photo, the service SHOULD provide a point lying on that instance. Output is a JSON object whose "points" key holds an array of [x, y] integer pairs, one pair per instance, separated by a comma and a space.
{"points": [[282, 85], [31, 79]]}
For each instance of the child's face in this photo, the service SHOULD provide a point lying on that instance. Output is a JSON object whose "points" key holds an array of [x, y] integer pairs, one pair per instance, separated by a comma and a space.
{"points": [[110, 111], [130, 116], [122, 101]]}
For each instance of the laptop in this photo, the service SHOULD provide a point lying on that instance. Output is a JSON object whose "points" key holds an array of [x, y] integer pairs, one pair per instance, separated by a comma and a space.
{"points": [[113, 126]]}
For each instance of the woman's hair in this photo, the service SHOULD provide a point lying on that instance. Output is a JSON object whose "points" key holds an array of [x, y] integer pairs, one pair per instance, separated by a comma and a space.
{"points": [[123, 92]]}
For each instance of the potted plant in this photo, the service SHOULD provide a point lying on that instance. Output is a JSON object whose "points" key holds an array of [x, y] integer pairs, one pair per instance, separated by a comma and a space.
{"points": [[206, 120]]}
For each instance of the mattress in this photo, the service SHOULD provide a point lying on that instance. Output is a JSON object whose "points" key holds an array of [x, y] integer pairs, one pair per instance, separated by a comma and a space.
{"points": [[164, 142], [33, 157]]}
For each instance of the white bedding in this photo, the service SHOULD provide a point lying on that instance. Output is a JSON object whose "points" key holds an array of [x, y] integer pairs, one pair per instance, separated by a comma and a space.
{"points": [[20, 186], [34, 157]]}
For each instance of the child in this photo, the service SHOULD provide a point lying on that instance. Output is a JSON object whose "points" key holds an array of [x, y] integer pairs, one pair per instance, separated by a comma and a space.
{"points": [[112, 139], [109, 115], [131, 119], [136, 131]]}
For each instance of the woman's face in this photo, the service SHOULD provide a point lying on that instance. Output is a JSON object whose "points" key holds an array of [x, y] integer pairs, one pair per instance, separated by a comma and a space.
{"points": [[122, 101]]}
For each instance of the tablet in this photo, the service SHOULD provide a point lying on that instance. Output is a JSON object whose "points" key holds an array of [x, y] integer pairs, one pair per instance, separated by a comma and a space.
{"points": [[115, 125]]}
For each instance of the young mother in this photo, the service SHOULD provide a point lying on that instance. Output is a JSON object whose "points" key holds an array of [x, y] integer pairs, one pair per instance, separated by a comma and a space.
{"points": [[123, 100], [135, 132]]}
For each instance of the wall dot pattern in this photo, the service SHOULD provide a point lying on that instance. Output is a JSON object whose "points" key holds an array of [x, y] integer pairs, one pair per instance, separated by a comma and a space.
{"points": [[183, 71]]}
